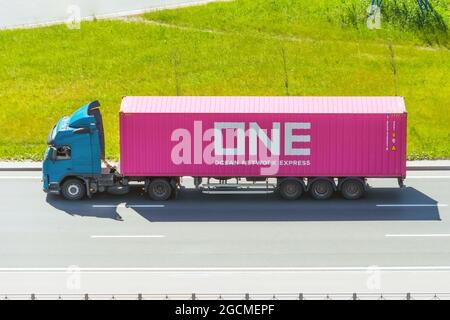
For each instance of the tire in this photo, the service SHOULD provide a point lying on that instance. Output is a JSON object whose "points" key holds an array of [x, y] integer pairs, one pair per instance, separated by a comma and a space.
{"points": [[321, 189], [159, 190], [352, 189], [290, 189], [73, 189]]}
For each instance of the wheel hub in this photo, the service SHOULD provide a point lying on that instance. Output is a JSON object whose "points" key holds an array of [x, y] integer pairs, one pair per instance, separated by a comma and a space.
{"points": [[291, 188], [73, 190], [159, 189], [321, 188]]}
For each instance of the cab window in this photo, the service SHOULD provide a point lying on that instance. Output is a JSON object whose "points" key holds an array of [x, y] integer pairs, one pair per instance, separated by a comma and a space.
{"points": [[63, 153]]}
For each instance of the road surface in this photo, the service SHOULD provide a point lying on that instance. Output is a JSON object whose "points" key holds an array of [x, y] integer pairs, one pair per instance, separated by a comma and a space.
{"points": [[31, 12], [394, 240]]}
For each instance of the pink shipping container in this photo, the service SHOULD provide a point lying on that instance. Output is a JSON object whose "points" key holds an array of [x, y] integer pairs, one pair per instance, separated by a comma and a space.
{"points": [[263, 136]]}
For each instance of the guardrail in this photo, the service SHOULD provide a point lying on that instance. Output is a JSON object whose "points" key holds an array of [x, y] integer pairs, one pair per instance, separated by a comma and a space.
{"points": [[231, 296]]}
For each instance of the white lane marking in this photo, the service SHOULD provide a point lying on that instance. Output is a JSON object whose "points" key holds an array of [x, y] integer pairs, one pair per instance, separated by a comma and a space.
{"points": [[228, 269], [128, 236], [413, 205], [431, 235], [19, 177], [128, 205]]}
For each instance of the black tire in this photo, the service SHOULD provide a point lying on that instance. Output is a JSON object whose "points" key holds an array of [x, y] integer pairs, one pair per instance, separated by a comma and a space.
{"points": [[290, 189], [352, 189], [159, 190], [321, 189], [73, 189]]}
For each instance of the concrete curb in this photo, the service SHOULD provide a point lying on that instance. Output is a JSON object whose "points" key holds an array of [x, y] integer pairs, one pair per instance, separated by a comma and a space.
{"points": [[425, 165], [20, 166], [427, 168], [20, 169], [428, 165]]}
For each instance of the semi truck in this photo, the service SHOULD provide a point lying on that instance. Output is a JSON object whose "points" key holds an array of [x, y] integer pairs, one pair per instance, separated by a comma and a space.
{"points": [[288, 145]]}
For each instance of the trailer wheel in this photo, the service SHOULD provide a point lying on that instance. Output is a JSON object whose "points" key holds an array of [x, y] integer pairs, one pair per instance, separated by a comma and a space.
{"points": [[290, 189], [159, 190], [321, 189], [352, 189], [73, 189]]}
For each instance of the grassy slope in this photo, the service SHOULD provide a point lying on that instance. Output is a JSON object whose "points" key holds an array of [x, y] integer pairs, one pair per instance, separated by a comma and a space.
{"points": [[48, 72]]}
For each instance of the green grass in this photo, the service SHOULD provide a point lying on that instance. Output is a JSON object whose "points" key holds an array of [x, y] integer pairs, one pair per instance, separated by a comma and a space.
{"points": [[230, 48]]}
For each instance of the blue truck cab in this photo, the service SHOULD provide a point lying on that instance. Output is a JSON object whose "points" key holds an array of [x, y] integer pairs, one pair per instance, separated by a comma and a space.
{"points": [[72, 163]]}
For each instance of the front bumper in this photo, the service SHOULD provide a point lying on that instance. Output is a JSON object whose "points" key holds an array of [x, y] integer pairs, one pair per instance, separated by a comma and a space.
{"points": [[53, 188], [49, 187]]}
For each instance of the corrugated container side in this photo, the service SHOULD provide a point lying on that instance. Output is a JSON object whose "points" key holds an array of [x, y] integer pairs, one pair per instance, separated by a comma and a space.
{"points": [[366, 145]]}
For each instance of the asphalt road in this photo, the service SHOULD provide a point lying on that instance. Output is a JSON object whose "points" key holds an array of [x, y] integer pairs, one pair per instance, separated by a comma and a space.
{"points": [[226, 243], [30, 12]]}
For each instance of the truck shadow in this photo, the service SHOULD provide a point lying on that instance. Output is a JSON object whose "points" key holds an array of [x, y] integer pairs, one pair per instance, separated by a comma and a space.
{"points": [[380, 204]]}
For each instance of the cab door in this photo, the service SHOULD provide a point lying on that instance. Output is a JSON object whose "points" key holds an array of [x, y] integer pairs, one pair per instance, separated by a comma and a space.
{"points": [[81, 155]]}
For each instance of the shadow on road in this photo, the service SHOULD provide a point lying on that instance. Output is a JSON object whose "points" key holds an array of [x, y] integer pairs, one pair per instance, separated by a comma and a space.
{"points": [[192, 205]]}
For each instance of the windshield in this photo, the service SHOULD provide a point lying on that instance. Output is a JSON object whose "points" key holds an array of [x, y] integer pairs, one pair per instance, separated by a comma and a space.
{"points": [[51, 137], [47, 152]]}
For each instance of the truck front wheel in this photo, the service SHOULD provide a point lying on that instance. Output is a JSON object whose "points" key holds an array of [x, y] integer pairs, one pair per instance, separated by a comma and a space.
{"points": [[73, 189], [159, 190]]}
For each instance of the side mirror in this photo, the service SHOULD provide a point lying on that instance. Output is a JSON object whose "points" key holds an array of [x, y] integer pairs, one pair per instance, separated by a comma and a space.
{"points": [[82, 131], [52, 152]]}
